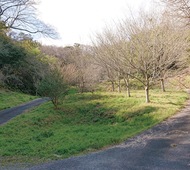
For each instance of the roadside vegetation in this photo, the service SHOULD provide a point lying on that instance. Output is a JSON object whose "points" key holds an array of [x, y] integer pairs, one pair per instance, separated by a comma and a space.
{"points": [[84, 123], [10, 99]]}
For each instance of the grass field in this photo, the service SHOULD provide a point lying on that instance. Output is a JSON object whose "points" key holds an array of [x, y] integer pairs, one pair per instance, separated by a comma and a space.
{"points": [[84, 123], [9, 99]]}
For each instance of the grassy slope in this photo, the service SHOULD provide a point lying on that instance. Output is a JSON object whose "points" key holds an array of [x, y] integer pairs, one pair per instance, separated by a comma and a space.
{"points": [[84, 123], [9, 99]]}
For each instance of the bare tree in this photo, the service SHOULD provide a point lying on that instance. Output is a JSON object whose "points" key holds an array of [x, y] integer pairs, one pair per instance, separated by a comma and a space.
{"points": [[109, 74], [172, 52], [108, 55], [179, 8], [88, 73], [153, 47], [21, 15], [76, 64], [147, 48]]}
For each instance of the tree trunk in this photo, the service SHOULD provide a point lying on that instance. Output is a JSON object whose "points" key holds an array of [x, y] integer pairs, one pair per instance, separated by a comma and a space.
{"points": [[82, 89], [119, 85], [126, 80], [147, 94], [162, 85], [113, 86], [82, 85], [147, 86]]}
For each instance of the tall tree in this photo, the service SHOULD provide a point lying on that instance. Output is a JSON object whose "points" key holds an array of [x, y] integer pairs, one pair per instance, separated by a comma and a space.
{"points": [[21, 15]]}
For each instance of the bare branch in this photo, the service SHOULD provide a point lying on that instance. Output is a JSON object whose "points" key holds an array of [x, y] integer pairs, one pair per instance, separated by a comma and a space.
{"points": [[21, 15]]}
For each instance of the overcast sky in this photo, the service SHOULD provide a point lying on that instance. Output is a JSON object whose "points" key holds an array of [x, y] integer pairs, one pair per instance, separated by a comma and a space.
{"points": [[77, 20]]}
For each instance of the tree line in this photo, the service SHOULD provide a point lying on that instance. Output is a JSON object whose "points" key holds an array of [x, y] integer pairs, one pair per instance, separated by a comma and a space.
{"points": [[147, 48]]}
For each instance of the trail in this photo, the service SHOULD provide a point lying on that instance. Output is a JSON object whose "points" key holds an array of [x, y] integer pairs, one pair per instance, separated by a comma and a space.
{"points": [[8, 114]]}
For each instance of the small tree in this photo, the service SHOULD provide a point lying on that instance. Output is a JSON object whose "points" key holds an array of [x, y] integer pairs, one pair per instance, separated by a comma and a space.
{"points": [[53, 86]]}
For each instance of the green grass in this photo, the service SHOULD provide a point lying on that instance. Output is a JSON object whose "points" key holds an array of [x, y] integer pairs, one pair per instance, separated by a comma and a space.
{"points": [[9, 99], [83, 123]]}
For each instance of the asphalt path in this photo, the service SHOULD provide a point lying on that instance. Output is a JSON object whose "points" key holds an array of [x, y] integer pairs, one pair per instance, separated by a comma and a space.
{"points": [[8, 114], [163, 147]]}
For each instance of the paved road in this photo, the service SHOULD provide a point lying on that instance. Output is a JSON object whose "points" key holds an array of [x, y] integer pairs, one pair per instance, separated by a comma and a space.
{"points": [[6, 115], [164, 147]]}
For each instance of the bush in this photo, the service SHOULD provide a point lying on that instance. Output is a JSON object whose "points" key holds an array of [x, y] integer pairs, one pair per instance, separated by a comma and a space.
{"points": [[53, 86]]}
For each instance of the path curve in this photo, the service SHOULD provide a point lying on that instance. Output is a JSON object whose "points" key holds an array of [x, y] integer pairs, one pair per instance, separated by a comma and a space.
{"points": [[8, 114], [163, 147]]}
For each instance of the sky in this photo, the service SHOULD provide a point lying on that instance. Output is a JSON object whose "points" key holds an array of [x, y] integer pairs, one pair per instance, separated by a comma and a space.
{"points": [[77, 20]]}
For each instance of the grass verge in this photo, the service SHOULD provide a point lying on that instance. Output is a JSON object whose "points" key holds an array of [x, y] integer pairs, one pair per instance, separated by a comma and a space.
{"points": [[83, 123], [10, 99]]}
